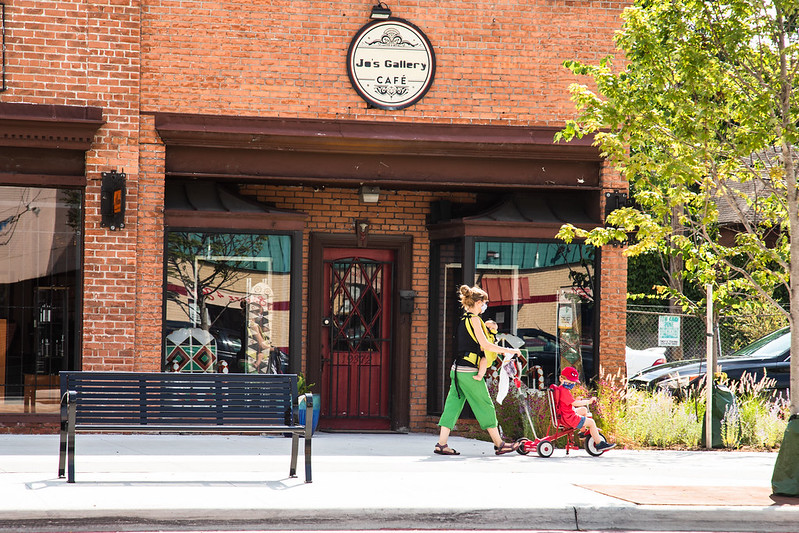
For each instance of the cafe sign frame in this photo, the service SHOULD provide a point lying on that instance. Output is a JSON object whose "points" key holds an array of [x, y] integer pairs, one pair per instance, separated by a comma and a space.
{"points": [[391, 63]]}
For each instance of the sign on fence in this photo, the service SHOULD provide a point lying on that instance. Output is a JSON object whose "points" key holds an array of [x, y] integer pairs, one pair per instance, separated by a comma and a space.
{"points": [[668, 330]]}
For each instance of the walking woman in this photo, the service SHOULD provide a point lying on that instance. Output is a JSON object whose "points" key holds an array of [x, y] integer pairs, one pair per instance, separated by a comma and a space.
{"points": [[471, 343]]}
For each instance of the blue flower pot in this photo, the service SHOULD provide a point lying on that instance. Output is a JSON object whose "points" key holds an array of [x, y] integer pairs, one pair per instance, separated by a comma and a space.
{"points": [[317, 406]]}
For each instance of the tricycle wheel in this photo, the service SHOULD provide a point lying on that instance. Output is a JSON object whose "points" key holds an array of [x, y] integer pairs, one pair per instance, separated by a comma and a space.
{"points": [[545, 448], [590, 445], [524, 444]]}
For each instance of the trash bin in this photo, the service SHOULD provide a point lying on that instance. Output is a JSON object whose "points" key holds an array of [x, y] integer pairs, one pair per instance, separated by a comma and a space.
{"points": [[785, 479], [723, 402]]}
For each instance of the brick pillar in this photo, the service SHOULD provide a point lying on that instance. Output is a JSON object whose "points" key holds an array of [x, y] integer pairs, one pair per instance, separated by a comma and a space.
{"points": [[110, 259], [613, 293], [150, 245]]}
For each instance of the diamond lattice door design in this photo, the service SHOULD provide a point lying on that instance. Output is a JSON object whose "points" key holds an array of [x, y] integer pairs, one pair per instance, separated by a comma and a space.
{"points": [[356, 370]]}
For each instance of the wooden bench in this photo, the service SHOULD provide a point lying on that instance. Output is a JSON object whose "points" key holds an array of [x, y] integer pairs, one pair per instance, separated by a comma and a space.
{"points": [[181, 403]]}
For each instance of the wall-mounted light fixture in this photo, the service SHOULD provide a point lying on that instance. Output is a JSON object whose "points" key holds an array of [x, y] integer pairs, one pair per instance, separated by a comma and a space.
{"points": [[491, 254], [380, 11], [406, 301], [369, 195], [112, 200]]}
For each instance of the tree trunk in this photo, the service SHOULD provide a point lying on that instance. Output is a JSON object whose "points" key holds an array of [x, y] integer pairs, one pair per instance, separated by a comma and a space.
{"points": [[793, 218]]}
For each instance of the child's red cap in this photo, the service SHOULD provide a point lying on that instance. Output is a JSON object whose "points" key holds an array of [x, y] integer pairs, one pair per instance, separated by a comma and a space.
{"points": [[570, 373]]}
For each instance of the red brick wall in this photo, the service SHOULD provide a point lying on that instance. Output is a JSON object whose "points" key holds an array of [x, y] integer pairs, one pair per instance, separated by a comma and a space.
{"points": [[87, 54], [150, 245], [497, 62], [613, 291]]}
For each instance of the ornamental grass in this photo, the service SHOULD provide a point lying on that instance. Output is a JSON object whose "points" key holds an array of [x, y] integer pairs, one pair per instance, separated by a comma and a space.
{"points": [[639, 419]]}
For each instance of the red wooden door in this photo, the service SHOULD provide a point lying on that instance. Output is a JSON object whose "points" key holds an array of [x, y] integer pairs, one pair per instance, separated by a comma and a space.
{"points": [[356, 342]]}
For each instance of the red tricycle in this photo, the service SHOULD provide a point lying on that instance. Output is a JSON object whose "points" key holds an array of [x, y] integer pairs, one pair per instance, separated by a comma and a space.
{"points": [[546, 445]]}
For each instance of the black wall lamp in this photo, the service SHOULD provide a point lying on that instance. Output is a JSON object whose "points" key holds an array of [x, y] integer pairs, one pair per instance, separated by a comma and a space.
{"points": [[380, 11], [406, 301], [112, 200]]}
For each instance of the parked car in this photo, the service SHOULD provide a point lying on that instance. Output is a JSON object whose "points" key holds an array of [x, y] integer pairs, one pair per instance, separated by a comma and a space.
{"points": [[638, 360], [768, 356], [541, 348]]}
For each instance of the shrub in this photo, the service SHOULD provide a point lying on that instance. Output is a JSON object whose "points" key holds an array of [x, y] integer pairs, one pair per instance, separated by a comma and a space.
{"points": [[660, 419], [762, 414], [640, 419]]}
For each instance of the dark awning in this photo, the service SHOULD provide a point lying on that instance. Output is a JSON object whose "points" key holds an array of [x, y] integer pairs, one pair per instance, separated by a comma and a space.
{"points": [[44, 144], [396, 155], [207, 204], [526, 215]]}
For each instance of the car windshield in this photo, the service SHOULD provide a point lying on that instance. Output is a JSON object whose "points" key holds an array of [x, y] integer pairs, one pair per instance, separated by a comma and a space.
{"points": [[771, 345]]}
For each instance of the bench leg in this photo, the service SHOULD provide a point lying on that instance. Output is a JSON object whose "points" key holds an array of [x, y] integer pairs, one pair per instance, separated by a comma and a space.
{"points": [[295, 448], [71, 443], [308, 433], [62, 448], [308, 459]]}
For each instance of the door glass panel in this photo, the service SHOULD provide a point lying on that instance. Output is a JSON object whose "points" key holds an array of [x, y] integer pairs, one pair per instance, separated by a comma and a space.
{"points": [[40, 242], [357, 311], [227, 302]]}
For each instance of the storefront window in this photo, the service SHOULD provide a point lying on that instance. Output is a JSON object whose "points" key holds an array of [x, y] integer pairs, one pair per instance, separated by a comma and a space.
{"points": [[541, 292], [40, 242], [227, 302]]}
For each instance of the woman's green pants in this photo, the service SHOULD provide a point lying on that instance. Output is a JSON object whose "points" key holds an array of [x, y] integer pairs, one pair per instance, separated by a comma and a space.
{"points": [[473, 391]]}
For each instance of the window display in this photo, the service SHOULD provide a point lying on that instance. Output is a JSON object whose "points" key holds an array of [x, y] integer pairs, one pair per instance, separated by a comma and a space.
{"points": [[40, 242], [227, 302]]}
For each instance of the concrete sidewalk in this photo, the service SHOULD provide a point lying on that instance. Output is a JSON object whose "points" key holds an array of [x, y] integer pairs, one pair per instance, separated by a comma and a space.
{"points": [[378, 481]]}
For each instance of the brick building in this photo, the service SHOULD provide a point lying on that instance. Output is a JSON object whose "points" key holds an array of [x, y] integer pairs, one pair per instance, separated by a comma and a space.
{"points": [[202, 186]]}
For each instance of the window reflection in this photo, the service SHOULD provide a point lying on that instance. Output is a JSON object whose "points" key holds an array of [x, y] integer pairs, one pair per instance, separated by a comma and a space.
{"points": [[39, 273], [541, 292], [227, 302]]}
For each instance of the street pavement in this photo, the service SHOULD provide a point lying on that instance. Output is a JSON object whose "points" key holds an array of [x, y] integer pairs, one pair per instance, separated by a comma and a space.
{"points": [[378, 481]]}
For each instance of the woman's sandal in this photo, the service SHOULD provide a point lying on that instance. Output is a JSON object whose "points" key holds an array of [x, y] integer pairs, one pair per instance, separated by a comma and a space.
{"points": [[444, 450], [506, 447]]}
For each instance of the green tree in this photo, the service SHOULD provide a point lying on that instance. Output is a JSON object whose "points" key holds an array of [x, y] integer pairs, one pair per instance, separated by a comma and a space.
{"points": [[701, 117]]}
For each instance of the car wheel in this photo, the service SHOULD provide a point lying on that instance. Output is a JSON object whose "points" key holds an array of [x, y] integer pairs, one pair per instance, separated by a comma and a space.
{"points": [[545, 448], [590, 445]]}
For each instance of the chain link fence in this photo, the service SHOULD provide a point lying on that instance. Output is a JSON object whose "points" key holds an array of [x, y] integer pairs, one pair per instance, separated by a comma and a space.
{"points": [[684, 336]]}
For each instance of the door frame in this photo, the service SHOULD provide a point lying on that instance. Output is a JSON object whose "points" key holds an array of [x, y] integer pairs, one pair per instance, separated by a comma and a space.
{"points": [[402, 245]]}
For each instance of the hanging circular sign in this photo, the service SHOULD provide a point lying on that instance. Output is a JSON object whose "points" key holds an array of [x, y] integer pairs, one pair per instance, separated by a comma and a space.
{"points": [[391, 63]]}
